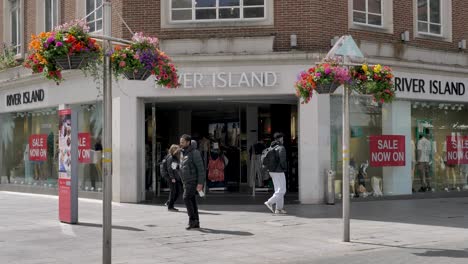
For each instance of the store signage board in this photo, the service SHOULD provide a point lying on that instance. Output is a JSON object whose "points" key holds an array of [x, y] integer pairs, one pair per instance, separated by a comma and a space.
{"points": [[387, 150], [457, 150], [67, 165], [430, 87]]}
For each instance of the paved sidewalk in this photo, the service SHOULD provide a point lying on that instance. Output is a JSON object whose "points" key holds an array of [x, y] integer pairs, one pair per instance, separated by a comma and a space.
{"points": [[404, 231]]}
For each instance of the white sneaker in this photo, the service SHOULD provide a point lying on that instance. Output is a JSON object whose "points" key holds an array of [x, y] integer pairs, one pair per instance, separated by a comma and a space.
{"points": [[281, 211], [269, 207]]}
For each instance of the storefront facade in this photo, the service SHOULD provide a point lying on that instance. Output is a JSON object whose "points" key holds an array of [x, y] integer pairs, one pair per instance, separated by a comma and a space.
{"points": [[429, 101]]}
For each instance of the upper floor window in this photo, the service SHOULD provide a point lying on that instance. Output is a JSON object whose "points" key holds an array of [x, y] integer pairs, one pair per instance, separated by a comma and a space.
{"points": [[368, 12], [217, 10], [94, 15], [15, 27], [429, 17], [51, 14]]}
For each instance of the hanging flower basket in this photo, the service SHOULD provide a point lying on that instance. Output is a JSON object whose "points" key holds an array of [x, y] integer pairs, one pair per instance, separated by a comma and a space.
{"points": [[140, 74], [142, 59], [327, 88], [324, 78], [71, 62], [374, 80], [69, 46]]}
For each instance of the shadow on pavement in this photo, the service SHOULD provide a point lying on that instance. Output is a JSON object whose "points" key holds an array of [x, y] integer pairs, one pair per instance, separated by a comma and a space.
{"points": [[431, 252], [127, 228], [448, 212], [447, 253], [224, 232]]}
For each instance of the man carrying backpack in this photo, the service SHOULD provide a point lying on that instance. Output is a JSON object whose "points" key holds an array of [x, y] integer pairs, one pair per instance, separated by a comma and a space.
{"points": [[275, 163]]}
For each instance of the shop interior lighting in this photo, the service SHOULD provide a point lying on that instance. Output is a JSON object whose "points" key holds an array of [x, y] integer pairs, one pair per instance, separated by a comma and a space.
{"points": [[441, 106], [454, 107], [446, 107], [415, 105]]}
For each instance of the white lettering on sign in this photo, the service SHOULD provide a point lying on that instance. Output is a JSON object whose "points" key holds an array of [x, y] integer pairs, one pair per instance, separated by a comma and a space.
{"points": [[387, 144], [84, 154], [431, 87], [192, 80], [38, 142]]}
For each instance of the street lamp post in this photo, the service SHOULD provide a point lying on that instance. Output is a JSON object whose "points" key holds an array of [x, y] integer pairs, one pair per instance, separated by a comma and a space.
{"points": [[107, 139]]}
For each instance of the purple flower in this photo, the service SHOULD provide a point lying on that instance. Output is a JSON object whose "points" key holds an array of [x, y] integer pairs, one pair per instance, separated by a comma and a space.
{"points": [[327, 70], [50, 40], [318, 74], [59, 44]]}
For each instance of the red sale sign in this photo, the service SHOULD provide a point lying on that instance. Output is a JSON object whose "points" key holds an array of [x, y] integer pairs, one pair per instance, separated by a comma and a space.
{"points": [[84, 148], [457, 150], [38, 147], [387, 150]]}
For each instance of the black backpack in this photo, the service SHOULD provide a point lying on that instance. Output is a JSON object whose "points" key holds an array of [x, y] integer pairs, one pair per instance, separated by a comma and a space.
{"points": [[269, 159], [163, 168]]}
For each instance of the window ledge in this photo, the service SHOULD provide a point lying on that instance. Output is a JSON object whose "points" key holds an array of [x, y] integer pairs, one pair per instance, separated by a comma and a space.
{"points": [[212, 23], [419, 35], [385, 29]]}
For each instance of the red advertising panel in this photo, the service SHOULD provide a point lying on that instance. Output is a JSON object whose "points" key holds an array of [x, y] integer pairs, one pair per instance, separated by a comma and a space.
{"points": [[457, 150], [64, 199], [64, 181], [387, 150], [38, 147], [84, 148]]}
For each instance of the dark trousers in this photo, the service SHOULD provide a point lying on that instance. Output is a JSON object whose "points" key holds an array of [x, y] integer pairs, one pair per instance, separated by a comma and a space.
{"points": [[175, 189], [190, 200]]}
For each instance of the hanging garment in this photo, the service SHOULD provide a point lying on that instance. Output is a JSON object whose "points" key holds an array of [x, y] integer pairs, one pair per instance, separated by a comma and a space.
{"points": [[255, 173], [216, 169]]}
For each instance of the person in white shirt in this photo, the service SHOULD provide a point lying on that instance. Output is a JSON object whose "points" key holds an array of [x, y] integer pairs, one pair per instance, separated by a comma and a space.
{"points": [[424, 156]]}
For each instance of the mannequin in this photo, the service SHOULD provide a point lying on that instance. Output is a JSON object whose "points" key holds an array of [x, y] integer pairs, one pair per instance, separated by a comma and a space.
{"points": [[362, 175], [464, 172], [450, 169], [352, 177], [424, 153]]}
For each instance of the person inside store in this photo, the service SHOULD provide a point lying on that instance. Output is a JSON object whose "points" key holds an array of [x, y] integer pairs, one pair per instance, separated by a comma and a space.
{"points": [[276, 164], [192, 174], [424, 155], [97, 161], [170, 171]]}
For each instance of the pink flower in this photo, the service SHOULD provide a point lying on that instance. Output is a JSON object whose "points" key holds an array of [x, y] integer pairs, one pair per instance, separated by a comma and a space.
{"points": [[136, 57], [59, 44], [122, 64], [124, 55], [327, 70], [318, 74]]}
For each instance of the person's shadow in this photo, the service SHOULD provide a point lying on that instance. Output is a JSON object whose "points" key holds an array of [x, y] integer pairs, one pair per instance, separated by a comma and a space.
{"points": [[224, 232]]}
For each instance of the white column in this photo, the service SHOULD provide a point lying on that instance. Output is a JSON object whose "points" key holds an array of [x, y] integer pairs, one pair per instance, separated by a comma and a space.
{"points": [[314, 149], [396, 120], [125, 142]]}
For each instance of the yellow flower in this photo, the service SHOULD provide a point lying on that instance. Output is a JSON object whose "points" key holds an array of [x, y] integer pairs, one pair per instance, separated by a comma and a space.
{"points": [[377, 68], [365, 68]]}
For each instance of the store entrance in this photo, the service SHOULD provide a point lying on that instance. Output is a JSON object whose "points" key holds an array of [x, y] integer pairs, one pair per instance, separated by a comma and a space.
{"points": [[229, 135]]}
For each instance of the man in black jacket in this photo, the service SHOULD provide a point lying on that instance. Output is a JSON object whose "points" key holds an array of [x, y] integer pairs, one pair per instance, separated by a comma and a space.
{"points": [[192, 173]]}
